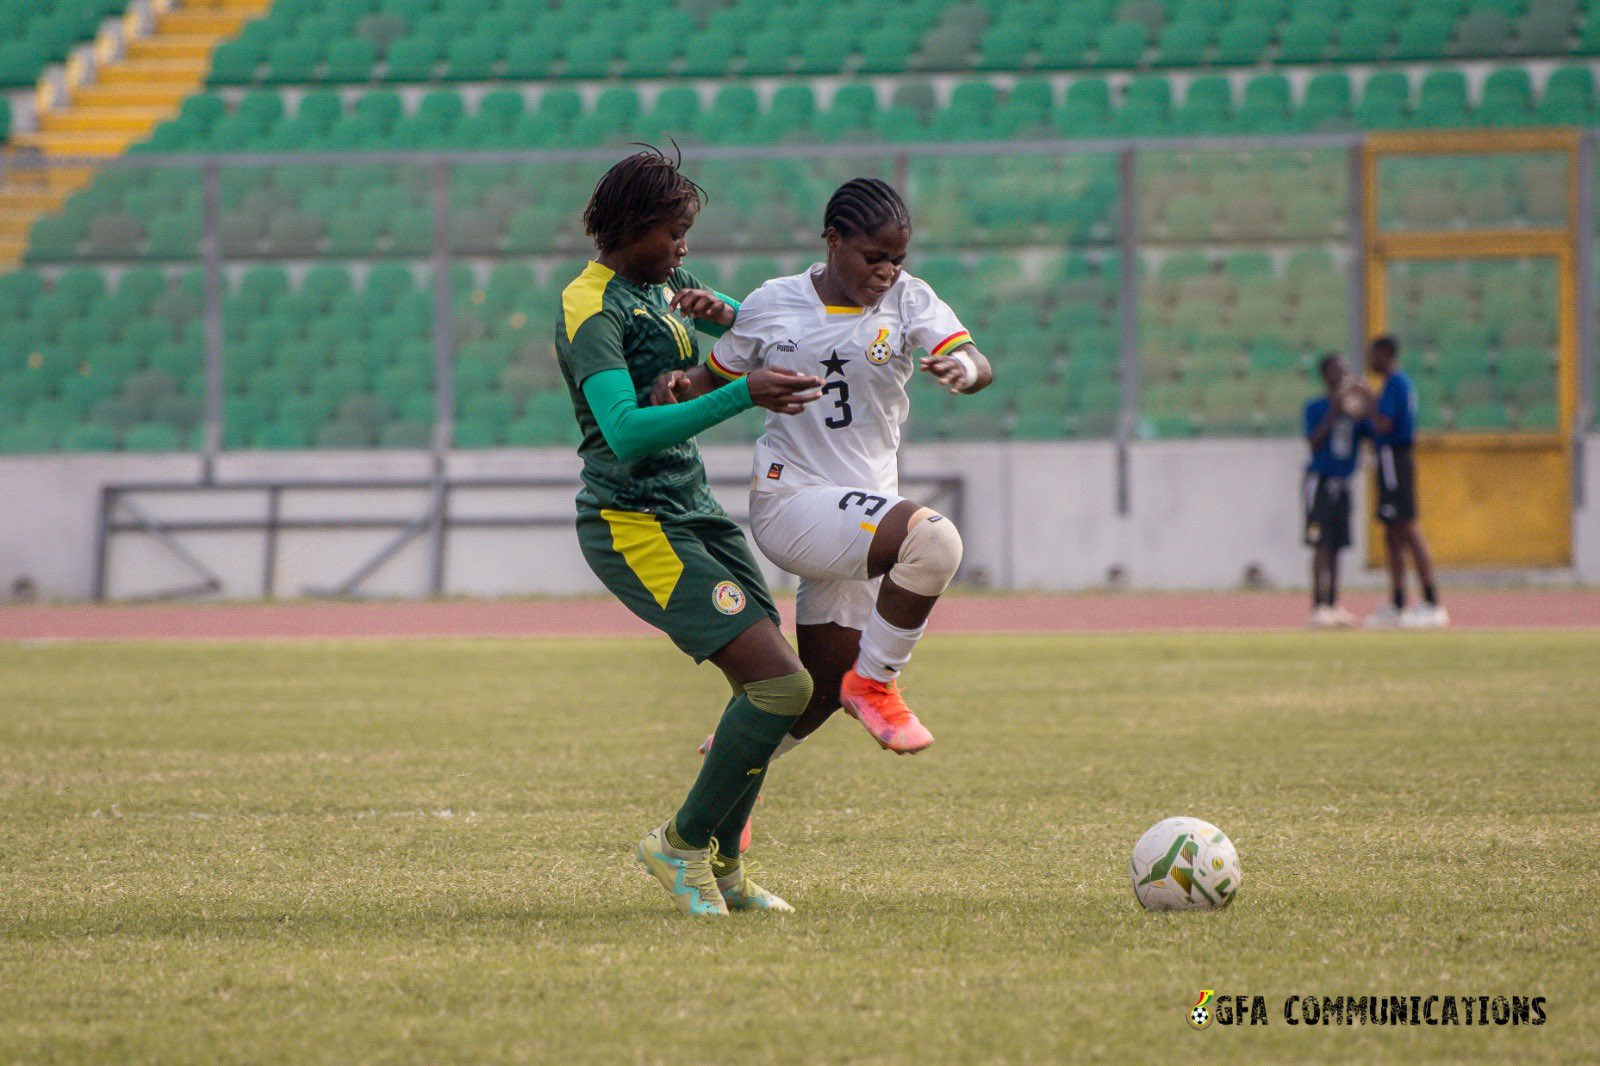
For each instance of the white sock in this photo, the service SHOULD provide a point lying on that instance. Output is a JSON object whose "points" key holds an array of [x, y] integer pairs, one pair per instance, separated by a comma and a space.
{"points": [[786, 745], [885, 649]]}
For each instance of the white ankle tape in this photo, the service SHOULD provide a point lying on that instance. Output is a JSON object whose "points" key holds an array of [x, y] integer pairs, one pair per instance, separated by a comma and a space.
{"points": [[929, 557]]}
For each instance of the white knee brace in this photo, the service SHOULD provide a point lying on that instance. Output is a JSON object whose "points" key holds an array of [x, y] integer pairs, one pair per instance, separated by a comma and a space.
{"points": [[929, 556]]}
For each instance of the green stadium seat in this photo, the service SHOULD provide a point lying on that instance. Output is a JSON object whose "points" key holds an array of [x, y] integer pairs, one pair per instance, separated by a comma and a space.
{"points": [[1146, 108], [350, 60], [821, 52], [1243, 41], [1442, 102], [233, 63], [1507, 99], [472, 58], [531, 56], [1326, 104], [1362, 40], [293, 62], [1087, 110], [1121, 44], [1266, 105], [1065, 45], [1005, 47], [1425, 35], [592, 56], [412, 59], [1384, 101], [1183, 44], [1207, 106], [1305, 40], [1568, 97], [887, 49], [771, 52]]}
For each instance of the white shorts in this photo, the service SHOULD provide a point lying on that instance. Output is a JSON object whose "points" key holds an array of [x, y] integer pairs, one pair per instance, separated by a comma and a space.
{"points": [[821, 534]]}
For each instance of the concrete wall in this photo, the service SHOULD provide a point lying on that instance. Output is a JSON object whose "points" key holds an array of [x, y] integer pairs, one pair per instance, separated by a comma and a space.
{"points": [[1035, 516], [1586, 522]]}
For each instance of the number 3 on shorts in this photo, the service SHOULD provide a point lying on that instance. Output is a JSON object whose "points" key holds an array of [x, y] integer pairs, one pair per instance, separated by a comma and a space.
{"points": [[871, 505]]}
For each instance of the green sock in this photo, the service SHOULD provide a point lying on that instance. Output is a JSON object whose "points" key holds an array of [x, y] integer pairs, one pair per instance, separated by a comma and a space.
{"points": [[743, 744], [731, 828]]}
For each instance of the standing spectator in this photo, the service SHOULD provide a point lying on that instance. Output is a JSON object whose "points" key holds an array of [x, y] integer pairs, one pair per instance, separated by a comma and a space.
{"points": [[1335, 437], [1394, 418]]}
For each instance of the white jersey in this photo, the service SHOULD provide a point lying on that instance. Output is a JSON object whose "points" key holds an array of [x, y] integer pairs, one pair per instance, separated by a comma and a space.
{"points": [[863, 354]]}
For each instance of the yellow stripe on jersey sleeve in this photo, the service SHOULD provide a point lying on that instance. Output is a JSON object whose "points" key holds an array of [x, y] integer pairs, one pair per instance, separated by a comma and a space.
{"points": [[581, 300], [950, 344]]}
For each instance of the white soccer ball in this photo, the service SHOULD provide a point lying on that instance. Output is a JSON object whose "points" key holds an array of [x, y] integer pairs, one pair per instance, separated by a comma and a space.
{"points": [[1185, 864]]}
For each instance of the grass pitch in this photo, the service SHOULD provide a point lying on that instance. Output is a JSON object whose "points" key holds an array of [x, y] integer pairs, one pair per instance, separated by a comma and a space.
{"points": [[372, 852]]}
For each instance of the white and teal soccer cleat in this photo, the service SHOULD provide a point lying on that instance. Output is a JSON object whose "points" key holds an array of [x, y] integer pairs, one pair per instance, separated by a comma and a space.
{"points": [[742, 894], [685, 874]]}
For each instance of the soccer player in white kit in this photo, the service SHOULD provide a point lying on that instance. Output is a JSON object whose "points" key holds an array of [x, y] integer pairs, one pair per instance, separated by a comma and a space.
{"points": [[825, 503]]}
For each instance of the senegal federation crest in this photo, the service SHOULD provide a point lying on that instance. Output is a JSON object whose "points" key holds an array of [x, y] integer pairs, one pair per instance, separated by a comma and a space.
{"points": [[727, 597], [879, 352], [1200, 1013]]}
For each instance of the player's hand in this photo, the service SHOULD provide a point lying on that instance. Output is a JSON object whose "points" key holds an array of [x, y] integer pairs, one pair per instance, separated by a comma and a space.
{"points": [[671, 387], [782, 390], [698, 303], [948, 372]]}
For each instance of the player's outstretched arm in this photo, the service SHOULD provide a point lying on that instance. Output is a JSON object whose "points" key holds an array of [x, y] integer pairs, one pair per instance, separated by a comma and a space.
{"points": [[633, 432], [963, 370]]}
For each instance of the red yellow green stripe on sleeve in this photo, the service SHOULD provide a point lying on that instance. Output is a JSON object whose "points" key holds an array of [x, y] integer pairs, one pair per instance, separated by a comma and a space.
{"points": [[720, 370], [950, 344]]}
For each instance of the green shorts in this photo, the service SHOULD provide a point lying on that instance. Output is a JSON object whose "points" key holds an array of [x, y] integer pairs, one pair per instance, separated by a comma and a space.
{"points": [[690, 576]]}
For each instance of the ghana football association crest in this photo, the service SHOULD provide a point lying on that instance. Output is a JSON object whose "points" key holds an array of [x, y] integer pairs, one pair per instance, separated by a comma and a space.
{"points": [[879, 352], [727, 597], [1200, 1013]]}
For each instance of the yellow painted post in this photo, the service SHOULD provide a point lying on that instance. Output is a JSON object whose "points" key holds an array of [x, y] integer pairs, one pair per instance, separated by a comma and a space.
{"points": [[1500, 499]]}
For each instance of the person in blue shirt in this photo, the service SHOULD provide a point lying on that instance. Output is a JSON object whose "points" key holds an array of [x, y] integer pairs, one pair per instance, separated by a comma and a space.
{"points": [[1394, 425], [1335, 437]]}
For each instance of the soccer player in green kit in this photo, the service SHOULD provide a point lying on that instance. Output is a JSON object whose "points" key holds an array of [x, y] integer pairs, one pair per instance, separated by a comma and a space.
{"points": [[647, 523]]}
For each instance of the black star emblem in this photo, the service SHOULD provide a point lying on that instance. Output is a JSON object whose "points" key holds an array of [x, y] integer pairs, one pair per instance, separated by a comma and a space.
{"points": [[834, 364]]}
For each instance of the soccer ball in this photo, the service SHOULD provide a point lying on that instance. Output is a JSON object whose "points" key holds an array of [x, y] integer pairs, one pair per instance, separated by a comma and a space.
{"points": [[1199, 1017], [1185, 864]]}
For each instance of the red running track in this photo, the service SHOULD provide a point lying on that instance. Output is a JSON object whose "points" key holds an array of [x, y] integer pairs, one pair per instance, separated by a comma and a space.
{"points": [[1086, 612]]}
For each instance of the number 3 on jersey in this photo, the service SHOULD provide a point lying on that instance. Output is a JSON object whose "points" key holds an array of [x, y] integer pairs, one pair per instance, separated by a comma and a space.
{"points": [[845, 416]]}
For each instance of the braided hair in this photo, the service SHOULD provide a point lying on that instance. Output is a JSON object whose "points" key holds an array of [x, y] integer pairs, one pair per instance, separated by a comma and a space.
{"points": [[637, 194], [862, 206]]}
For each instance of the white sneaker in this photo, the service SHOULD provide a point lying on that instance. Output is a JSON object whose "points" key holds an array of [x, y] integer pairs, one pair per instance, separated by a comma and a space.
{"points": [[1322, 617], [1425, 616], [1385, 617], [1342, 619]]}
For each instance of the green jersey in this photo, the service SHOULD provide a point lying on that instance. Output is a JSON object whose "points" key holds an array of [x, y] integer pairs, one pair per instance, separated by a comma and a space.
{"points": [[608, 322]]}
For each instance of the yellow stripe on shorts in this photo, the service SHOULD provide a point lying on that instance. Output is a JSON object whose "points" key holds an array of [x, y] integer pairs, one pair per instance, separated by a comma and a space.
{"points": [[638, 538]]}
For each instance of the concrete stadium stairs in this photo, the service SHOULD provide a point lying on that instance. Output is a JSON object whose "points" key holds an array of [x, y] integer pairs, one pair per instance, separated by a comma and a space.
{"points": [[125, 102]]}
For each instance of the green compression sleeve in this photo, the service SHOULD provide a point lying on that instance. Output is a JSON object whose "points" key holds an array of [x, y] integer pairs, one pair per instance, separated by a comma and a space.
{"points": [[716, 329], [634, 432]]}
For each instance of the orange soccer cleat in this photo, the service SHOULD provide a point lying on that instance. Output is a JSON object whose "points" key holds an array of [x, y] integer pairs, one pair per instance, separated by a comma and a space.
{"points": [[878, 706]]}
